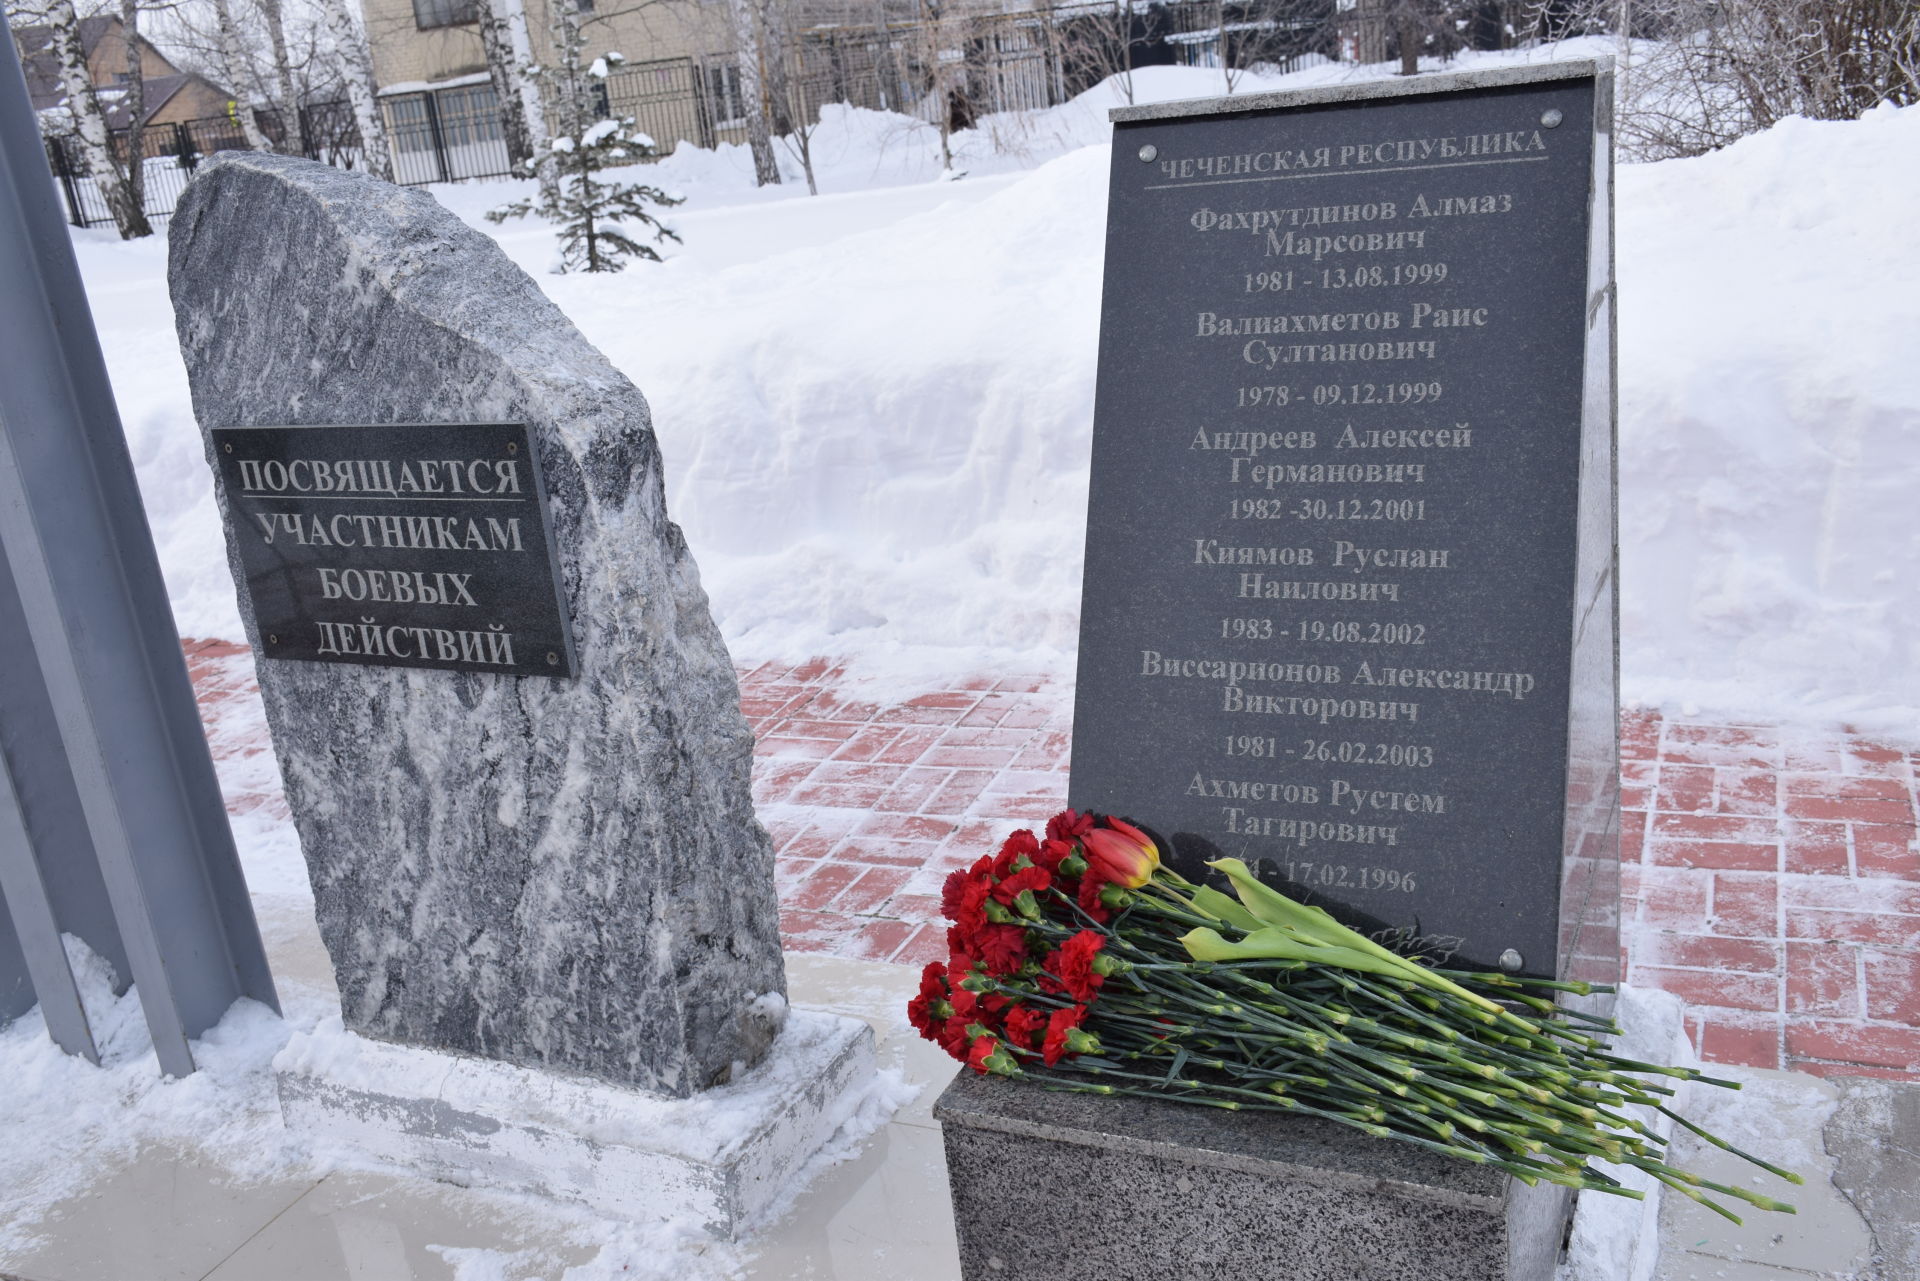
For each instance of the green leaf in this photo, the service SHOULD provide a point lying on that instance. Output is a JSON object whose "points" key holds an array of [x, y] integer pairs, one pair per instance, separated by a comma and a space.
{"points": [[1271, 944], [1211, 902], [1277, 909]]}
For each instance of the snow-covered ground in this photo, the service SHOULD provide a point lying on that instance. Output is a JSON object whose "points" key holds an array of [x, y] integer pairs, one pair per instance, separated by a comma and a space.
{"points": [[875, 404]]}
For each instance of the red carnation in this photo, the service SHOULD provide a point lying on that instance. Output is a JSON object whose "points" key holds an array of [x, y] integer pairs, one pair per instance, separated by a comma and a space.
{"points": [[1069, 826], [1003, 948], [953, 1037], [1017, 846], [1062, 1022], [1053, 853], [1089, 896], [1072, 964], [983, 1048], [1036, 879], [1024, 1026], [951, 892], [970, 913], [933, 990]]}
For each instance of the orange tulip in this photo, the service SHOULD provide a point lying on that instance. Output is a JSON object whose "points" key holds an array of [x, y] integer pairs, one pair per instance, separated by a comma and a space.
{"points": [[1121, 854]]}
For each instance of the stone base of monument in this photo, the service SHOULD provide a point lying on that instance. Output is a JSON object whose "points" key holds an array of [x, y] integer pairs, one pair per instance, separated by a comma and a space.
{"points": [[1074, 1187], [721, 1158]]}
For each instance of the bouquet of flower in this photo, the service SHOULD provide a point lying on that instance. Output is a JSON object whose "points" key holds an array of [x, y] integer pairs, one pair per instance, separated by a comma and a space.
{"points": [[1078, 959]]}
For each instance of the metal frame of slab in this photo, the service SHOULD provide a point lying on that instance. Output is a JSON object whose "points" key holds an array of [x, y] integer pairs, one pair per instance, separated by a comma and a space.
{"points": [[117, 832]]}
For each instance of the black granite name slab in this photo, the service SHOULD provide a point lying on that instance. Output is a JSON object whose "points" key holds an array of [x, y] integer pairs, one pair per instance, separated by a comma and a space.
{"points": [[409, 545], [1329, 611]]}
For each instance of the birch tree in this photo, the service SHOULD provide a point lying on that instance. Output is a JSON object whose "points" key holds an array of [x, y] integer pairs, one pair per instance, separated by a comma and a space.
{"points": [[520, 42], [356, 73], [293, 129], [503, 68], [231, 55], [749, 43], [90, 122]]}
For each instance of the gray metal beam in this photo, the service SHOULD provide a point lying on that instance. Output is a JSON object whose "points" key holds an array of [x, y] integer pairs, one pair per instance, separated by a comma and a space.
{"points": [[49, 877], [16, 986], [99, 630], [37, 933]]}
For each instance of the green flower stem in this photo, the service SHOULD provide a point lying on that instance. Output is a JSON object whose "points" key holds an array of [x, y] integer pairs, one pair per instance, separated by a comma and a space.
{"points": [[1725, 1146]]}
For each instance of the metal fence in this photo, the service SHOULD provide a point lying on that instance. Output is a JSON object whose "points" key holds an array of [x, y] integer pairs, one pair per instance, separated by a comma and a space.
{"points": [[169, 153], [966, 69]]}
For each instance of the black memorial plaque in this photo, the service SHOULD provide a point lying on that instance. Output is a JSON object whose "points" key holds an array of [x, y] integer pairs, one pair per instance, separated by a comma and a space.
{"points": [[1329, 608], [411, 545]]}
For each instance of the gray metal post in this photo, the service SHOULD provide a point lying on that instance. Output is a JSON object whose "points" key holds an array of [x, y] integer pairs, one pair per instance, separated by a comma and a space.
{"points": [[433, 131], [97, 635]]}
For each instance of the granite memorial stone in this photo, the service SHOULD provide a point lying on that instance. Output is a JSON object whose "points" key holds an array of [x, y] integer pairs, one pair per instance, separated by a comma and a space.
{"points": [[1349, 612], [1349, 572], [556, 873]]}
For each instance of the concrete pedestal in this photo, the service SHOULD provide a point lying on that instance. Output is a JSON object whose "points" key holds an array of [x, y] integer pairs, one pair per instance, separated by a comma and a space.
{"points": [[721, 1158], [1052, 1186]]}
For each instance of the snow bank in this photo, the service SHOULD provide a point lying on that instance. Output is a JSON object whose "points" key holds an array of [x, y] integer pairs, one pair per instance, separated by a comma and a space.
{"points": [[1770, 424], [875, 405]]}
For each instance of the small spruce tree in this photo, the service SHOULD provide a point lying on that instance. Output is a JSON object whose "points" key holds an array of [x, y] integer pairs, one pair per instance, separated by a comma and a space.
{"points": [[595, 214]]}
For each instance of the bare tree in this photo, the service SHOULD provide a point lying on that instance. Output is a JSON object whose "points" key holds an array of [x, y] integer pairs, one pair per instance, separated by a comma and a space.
{"points": [[1705, 74], [1098, 45], [136, 135], [798, 110], [356, 74]]}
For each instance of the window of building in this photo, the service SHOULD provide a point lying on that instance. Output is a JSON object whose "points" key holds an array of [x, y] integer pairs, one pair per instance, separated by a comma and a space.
{"points": [[469, 115], [723, 89], [428, 14]]}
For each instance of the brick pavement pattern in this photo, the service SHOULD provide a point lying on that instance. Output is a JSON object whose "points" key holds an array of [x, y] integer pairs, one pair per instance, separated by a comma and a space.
{"points": [[1770, 878]]}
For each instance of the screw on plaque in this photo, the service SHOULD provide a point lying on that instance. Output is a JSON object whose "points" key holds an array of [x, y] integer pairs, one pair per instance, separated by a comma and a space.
{"points": [[553, 659], [1511, 960], [272, 639], [228, 447], [1149, 151], [513, 447], [1552, 118]]}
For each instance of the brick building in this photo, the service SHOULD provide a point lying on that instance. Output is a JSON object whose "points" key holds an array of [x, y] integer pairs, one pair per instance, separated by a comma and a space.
{"points": [[170, 94]]}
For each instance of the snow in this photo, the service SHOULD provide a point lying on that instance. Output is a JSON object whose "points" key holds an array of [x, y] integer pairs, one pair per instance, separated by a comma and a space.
{"points": [[875, 405], [1614, 1238], [98, 1118], [598, 132], [428, 86], [711, 1127], [226, 1115]]}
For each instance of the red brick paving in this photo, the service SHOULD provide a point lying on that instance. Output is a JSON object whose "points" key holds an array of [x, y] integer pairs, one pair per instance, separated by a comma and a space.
{"points": [[1770, 878], [1777, 891]]}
